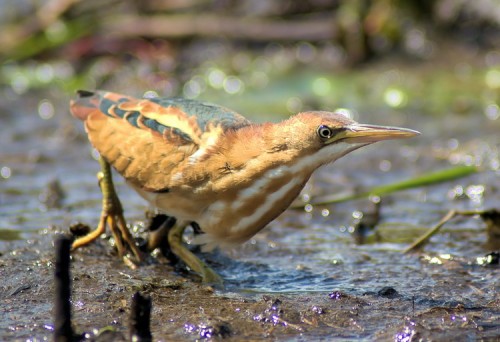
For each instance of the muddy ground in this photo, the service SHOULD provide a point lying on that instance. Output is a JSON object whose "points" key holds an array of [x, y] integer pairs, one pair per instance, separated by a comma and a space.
{"points": [[304, 277], [460, 301]]}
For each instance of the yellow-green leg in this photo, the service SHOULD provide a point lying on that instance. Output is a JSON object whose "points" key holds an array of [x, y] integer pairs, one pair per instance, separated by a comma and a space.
{"points": [[178, 248], [112, 215]]}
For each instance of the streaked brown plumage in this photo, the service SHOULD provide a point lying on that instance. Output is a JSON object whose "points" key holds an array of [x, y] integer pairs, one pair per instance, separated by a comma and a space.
{"points": [[207, 164]]}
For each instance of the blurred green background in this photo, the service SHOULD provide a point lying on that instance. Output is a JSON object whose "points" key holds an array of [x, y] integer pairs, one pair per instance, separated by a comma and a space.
{"points": [[281, 56]]}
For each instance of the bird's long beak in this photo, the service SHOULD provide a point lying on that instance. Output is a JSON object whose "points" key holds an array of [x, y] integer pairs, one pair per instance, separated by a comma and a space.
{"points": [[359, 133]]}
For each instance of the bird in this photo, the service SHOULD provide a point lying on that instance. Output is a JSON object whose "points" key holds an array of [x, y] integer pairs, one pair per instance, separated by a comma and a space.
{"points": [[207, 165]]}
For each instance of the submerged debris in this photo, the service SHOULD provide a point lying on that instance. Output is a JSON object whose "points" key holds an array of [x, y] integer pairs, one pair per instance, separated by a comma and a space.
{"points": [[492, 220], [52, 195], [367, 221], [492, 258], [388, 292], [78, 229]]}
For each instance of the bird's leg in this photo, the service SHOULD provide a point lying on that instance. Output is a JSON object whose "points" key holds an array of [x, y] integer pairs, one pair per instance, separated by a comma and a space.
{"points": [[112, 214], [191, 260], [158, 231], [159, 227]]}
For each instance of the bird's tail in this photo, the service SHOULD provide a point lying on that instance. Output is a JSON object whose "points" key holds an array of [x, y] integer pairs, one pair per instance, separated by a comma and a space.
{"points": [[85, 103], [90, 101]]}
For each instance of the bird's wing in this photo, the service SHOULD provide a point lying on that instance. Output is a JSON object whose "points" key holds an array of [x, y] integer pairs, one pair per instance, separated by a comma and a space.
{"points": [[147, 140]]}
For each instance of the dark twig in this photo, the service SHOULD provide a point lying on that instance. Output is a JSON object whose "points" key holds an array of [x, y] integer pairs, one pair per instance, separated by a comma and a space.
{"points": [[140, 317], [62, 307]]}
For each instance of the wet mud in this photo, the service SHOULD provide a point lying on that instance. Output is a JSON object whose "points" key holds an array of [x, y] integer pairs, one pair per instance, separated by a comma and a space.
{"points": [[305, 277]]}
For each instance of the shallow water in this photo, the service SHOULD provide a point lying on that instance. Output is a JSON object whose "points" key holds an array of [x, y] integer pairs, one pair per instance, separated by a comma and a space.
{"points": [[48, 181]]}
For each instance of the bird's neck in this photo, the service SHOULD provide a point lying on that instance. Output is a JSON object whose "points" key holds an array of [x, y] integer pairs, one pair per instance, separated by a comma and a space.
{"points": [[254, 150], [282, 144]]}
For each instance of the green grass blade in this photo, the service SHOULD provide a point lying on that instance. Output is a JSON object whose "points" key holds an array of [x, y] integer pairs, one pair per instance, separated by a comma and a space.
{"points": [[419, 181]]}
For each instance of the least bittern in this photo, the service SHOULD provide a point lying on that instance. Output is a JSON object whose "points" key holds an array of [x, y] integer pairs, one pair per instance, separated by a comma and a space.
{"points": [[207, 164]]}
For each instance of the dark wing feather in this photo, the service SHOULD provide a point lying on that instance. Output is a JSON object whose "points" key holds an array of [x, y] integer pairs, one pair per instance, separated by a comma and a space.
{"points": [[146, 140], [206, 113]]}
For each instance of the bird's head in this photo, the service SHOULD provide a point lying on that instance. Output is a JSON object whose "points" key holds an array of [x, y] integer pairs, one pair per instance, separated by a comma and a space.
{"points": [[323, 137]]}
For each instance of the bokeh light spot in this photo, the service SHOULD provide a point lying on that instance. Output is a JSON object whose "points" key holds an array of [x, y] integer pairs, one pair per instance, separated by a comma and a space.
{"points": [[492, 111], [321, 86], [45, 73], [385, 165], [5, 172], [19, 83], [216, 78], [46, 109], [233, 85], [395, 98], [305, 52], [192, 89], [492, 78], [357, 214], [57, 32], [150, 94]]}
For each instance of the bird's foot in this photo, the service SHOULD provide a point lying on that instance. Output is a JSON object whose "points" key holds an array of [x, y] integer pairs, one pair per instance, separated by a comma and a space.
{"points": [[111, 215], [177, 246], [124, 241]]}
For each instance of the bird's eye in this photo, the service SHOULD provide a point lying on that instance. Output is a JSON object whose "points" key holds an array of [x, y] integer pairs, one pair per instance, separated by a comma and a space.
{"points": [[325, 132]]}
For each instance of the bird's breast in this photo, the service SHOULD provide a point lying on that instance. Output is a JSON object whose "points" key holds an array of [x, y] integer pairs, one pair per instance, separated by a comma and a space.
{"points": [[232, 214], [238, 215], [183, 206]]}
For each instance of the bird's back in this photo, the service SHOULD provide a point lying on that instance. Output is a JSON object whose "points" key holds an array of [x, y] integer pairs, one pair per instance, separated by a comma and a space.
{"points": [[147, 139]]}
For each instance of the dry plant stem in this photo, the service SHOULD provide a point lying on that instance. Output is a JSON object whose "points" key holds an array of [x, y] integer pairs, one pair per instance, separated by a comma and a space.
{"points": [[112, 214], [209, 25], [424, 239]]}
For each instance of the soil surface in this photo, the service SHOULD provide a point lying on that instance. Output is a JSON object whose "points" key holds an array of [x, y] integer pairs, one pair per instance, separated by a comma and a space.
{"points": [[302, 278]]}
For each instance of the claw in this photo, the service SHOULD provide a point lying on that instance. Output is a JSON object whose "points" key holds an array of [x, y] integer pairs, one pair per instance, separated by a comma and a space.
{"points": [[111, 215]]}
